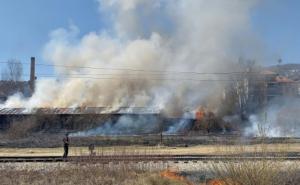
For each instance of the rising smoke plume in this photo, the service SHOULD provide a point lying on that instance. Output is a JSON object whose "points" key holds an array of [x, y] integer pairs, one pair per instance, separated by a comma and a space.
{"points": [[279, 119], [125, 125], [151, 35], [134, 62]]}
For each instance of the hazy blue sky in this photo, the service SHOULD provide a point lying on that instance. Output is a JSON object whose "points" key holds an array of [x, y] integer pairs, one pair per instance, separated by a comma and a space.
{"points": [[25, 25], [278, 24]]}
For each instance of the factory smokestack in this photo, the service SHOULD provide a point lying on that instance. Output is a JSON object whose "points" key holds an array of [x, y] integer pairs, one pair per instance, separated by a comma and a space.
{"points": [[32, 74]]}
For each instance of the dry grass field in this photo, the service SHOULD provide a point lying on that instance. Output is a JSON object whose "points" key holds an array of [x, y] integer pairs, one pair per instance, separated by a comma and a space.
{"points": [[263, 172], [210, 173], [83, 174], [142, 150], [227, 173]]}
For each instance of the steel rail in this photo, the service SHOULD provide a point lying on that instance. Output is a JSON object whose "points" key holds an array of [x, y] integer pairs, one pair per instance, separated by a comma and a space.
{"points": [[148, 158]]}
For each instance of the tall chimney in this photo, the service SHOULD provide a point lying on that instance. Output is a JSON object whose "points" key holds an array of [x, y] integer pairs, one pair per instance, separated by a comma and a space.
{"points": [[32, 74]]}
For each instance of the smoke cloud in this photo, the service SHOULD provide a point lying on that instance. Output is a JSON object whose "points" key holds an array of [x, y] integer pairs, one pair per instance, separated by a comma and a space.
{"points": [[280, 119], [132, 62], [150, 35], [125, 125]]}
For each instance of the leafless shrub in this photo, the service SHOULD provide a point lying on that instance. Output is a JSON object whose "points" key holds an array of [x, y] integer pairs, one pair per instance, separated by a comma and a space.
{"points": [[262, 172], [256, 173], [13, 72]]}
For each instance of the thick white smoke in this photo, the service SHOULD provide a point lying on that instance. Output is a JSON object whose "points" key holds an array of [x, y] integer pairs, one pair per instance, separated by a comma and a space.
{"points": [[279, 119], [125, 125], [151, 35]]}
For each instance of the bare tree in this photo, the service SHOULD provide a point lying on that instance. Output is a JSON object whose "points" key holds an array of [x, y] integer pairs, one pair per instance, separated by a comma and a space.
{"points": [[13, 71]]}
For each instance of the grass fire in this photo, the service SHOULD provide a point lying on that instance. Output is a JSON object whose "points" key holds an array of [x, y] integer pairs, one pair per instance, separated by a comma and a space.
{"points": [[149, 92]]}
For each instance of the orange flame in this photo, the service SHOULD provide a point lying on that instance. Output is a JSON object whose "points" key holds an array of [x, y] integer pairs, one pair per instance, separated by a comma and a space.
{"points": [[221, 182], [172, 175], [200, 114], [216, 182]]}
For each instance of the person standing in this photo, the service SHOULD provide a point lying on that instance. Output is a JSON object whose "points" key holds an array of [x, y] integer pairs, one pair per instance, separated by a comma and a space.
{"points": [[66, 145]]}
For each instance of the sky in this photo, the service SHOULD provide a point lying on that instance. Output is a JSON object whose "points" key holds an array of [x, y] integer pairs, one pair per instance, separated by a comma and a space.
{"points": [[278, 24], [25, 26]]}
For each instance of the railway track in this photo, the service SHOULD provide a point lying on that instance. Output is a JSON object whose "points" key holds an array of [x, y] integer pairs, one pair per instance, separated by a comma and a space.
{"points": [[148, 158]]}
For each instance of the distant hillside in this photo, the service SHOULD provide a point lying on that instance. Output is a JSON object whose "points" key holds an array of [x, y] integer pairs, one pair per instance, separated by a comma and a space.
{"points": [[291, 71]]}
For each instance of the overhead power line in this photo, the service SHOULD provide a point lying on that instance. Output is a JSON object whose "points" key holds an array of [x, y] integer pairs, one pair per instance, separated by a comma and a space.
{"points": [[142, 70], [145, 75], [113, 77]]}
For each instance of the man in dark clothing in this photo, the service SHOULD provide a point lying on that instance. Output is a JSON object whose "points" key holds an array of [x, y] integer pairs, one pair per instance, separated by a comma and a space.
{"points": [[66, 145]]}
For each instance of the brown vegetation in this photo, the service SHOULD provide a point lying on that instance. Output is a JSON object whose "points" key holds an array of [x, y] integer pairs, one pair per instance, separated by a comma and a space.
{"points": [[21, 128], [257, 173], [280, 149], [83, 174]]}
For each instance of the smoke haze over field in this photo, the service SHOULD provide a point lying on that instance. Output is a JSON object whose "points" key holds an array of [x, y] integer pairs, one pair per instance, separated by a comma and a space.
{"points": [[149, 56], [279, 119], [151, 35]]}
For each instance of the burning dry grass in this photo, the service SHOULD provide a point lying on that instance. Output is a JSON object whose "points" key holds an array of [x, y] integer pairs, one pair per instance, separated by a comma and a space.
{"points": [[175, 176], [216, 182], [87, 174], [154, 173]]}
